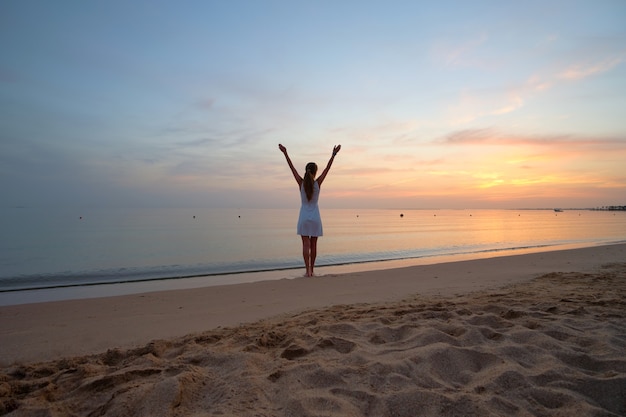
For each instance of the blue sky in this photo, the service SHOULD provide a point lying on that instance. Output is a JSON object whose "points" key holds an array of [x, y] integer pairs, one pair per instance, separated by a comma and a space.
{"points": [[436, 104]]}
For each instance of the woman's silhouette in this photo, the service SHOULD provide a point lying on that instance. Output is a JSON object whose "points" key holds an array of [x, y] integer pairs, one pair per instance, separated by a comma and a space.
{"points": [[309, 220]]}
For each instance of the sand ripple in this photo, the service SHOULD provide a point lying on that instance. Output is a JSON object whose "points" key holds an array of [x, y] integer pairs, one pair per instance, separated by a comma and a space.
{"points": [[552, 347]]}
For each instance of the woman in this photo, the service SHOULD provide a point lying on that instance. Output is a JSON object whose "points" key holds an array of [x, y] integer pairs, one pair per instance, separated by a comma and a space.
{"points": [[309, 221]]}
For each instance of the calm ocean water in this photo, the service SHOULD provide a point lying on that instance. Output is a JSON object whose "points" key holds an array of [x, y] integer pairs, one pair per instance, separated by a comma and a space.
{"points": [[56, 248]]}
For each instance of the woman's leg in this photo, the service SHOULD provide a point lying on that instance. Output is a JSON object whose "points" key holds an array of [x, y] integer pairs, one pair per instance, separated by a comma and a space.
{"points": [[313, 252], [306, 254]]}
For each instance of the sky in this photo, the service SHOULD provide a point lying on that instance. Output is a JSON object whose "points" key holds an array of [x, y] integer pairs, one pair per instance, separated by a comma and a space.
{"points": [[436, 104]]}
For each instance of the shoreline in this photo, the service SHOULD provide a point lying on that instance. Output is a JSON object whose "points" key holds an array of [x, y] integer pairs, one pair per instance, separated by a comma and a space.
{"points": [[52, 330], [218, 278], [127, 287]]}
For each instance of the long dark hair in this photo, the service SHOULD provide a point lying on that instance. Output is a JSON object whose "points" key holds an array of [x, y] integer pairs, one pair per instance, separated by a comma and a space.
{"points": [[309, 179]]}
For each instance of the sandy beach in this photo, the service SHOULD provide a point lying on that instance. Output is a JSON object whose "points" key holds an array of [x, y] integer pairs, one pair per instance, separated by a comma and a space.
{"points": [[540, 334]]}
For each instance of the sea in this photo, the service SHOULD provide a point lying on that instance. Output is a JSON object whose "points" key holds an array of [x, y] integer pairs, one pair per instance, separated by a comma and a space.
{"points": [[57, 248]]}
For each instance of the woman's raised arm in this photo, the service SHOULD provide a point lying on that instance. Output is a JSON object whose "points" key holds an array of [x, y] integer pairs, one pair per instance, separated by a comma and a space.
{"points": [[293, 169], [321, 178]]}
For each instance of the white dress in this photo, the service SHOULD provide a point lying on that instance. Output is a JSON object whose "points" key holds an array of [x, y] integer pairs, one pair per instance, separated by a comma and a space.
{"points": [[310, 221]]}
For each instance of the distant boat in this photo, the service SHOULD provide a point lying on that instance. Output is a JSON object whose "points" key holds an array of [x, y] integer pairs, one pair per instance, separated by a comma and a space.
{"points": [[558, 210]]}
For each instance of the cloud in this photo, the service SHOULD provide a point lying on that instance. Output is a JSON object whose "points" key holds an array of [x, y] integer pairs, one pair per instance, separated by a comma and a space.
{"points": [[473, 104], [536, 83], [458, 55], [469, 136], [515, 102], [492, 136], [577, 72], [216, 142], [539, 83], [197, 143]]}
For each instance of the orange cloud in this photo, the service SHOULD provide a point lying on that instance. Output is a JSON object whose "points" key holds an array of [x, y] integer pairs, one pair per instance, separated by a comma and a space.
{"points": [[580, 71], [490, 136], [491, 166], [473, 105]]}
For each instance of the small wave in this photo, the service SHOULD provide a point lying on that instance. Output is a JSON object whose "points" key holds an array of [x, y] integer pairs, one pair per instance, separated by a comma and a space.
{"points": [[168, 272]]}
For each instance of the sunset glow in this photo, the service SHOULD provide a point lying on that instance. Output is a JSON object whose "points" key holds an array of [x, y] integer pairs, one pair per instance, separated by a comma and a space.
{"points": [[436, 105]]}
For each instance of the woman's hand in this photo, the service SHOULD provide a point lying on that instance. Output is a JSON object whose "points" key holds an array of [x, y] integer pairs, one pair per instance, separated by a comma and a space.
{"points": [[282, 148], [336, 150]]}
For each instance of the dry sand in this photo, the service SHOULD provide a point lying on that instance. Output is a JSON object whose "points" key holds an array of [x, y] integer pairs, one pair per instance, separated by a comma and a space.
{"points": [[530, 335]]}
